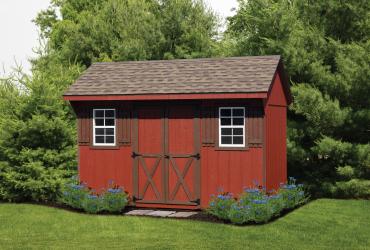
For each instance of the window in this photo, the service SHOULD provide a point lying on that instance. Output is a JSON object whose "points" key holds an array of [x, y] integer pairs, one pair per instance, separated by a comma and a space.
{"points": [[231, 127], [104, 127]]}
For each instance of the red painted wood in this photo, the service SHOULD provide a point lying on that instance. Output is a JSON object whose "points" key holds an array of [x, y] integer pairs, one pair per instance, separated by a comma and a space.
{"points": [[150, 141], [165, 206], [275, 136], [99, 166], [229, 170], [166, 97], [181, 142], [276, 94]]}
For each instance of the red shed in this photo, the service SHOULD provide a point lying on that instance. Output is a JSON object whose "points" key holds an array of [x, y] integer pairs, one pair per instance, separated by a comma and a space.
{"points": [[173, 132]]}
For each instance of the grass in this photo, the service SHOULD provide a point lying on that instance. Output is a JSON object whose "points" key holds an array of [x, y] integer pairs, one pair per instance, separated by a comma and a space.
{"points": [[321, 224]]}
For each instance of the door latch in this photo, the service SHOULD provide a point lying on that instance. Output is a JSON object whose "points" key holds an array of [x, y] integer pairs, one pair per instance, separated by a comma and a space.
{"points": [[134, 154], [197, 156]]}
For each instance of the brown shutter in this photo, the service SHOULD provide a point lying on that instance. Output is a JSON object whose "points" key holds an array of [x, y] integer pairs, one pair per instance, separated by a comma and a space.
{"points": [[208, 126], [123, 126], [255, 126], [84, 125]]}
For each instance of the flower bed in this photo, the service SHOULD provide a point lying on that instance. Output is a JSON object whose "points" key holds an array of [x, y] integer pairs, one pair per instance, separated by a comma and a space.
{"points": [[79, 196], [256, 205]]}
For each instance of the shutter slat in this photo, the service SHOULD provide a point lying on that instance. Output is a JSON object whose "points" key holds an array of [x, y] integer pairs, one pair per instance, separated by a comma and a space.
{"points": [[208, 126], [124, 128], [84, 125], [255, 126]]}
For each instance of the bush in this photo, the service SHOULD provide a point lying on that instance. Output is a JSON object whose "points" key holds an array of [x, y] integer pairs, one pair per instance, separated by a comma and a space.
{"points": [[114, 199], [79, 196], [31, 182], [354, 188], [93, 204], [255, 205]]}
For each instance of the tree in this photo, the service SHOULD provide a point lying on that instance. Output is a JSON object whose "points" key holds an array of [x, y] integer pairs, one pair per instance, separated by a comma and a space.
{"points": [[38, 133], [118, 30], [326, 49]]}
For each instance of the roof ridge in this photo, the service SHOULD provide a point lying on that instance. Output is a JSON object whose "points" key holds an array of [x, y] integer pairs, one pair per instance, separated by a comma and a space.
{"points": [[192, 59]]}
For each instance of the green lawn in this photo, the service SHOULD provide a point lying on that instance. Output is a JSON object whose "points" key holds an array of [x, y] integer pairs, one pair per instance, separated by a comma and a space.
{"points": [[322, 224]]}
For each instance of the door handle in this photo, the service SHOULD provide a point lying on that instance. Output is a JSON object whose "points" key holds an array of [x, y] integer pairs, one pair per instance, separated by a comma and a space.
{"points": [[197, 156]]}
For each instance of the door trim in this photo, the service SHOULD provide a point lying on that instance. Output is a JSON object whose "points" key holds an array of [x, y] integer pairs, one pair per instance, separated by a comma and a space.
{"points": [[167, 159]]}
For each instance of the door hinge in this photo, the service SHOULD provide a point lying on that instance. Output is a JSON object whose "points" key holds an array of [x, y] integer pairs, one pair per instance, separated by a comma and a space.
{"points": [[197, 201]]}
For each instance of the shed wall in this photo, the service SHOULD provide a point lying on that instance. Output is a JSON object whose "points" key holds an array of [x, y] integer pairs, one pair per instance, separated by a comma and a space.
{"points": [[230, 170], [275, 136]]}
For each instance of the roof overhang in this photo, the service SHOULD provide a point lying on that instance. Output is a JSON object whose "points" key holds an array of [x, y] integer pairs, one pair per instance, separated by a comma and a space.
{"points": [[154, 97]]}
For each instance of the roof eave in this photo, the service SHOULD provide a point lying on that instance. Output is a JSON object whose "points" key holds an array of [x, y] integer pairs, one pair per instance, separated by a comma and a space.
{"points": [[197, 96]]}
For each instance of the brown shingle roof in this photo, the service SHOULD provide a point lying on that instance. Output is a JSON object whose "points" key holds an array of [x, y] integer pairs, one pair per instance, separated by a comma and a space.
{"points": [[216, 75]]}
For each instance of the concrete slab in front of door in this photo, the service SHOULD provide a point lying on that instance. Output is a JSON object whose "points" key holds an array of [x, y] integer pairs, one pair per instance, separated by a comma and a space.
{"points": [[182, 214], [161, 213], [139, 212]]}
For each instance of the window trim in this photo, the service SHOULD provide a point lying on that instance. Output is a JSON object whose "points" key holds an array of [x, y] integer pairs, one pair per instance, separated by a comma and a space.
{"points": [[114, 128], [231, 146]]}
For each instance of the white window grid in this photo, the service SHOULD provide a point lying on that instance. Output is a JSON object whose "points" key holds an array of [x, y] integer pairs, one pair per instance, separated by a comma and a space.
{"points": [[231, 126], [104, 126]]}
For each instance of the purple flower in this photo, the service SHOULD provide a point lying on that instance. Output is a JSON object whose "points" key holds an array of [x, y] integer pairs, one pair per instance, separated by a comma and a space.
{"points": [[277, 196], [114, 190], [259, 201], [252, 190], [76, 187], [92, 196]]}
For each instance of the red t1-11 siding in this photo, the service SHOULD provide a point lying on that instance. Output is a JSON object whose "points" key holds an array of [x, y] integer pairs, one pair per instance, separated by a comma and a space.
{"points": [[230, 171], [275, 136], [98, 167]]}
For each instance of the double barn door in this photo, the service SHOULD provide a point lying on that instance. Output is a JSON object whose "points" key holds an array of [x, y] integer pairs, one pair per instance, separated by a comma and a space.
{"points": [[166, 155]]}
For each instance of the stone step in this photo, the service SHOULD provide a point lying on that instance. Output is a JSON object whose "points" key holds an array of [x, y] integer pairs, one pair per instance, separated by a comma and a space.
{"points": [[162, 213]]}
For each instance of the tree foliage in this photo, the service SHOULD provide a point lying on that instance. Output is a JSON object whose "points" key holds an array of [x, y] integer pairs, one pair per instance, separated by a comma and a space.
{"points": [[38, 133], [326, 50], [118, 30]]}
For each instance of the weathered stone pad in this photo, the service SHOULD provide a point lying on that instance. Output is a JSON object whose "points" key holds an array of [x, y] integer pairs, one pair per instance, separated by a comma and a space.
{"points": [[182, 214], [139, 212], [161, 213]]}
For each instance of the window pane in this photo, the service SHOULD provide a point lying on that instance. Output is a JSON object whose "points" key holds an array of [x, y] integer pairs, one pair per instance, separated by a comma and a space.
{"points": [[225, 121], [225, 131], [238, 140], [109, 114], [99, 113], [238, 121], [109, 139], [99, 122], [109, 122], [238, 112], [99, 139], [99, 131], [225, 112], [226, 139], [109, 131], [237, 131]]}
